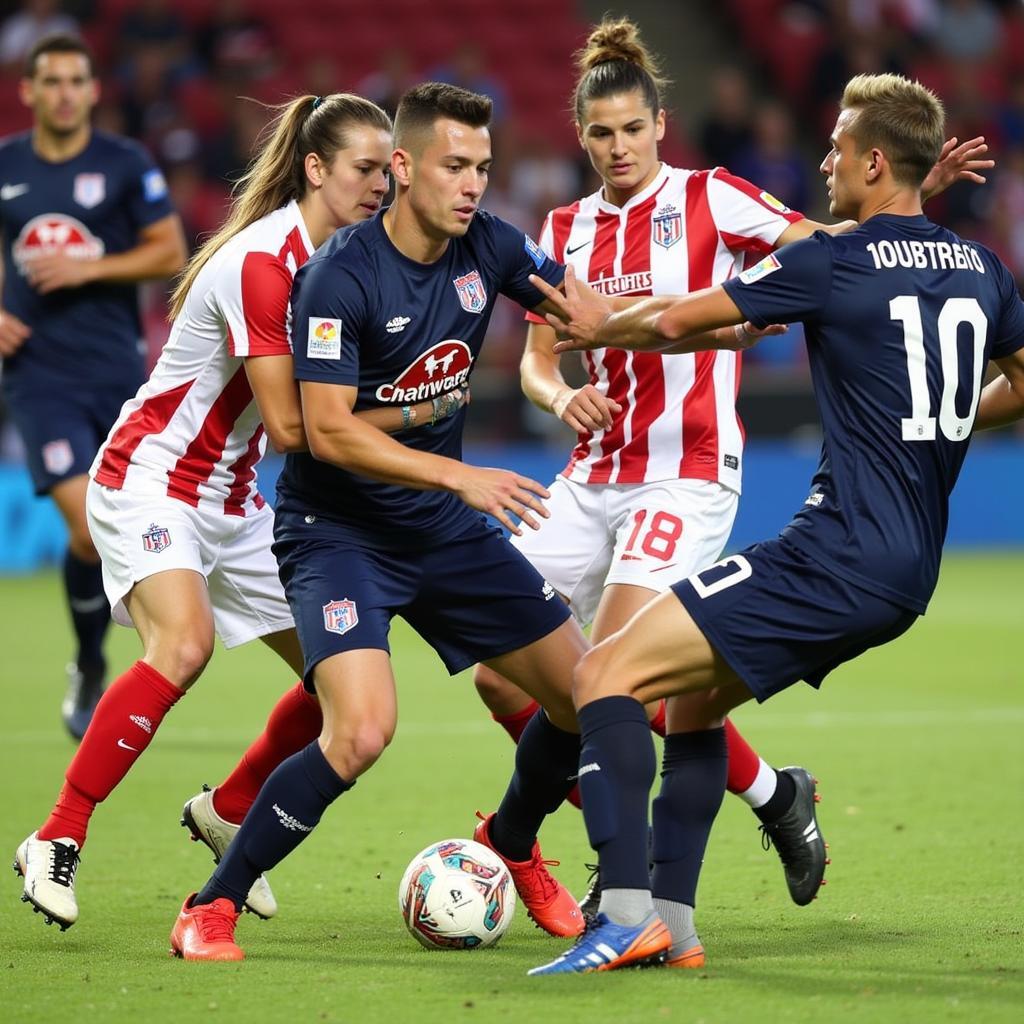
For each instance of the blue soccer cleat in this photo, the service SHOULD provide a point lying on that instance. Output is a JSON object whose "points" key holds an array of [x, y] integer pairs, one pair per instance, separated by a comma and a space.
{"points": [[606, 946]]}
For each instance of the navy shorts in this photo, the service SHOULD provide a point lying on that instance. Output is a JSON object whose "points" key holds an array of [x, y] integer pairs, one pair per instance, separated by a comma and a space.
{"points": [[63, 430], [472, 599], [777, 616]]}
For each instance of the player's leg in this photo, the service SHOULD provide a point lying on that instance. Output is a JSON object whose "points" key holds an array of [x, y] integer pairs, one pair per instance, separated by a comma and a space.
{"points": [[214, 815], [357, 693], [659, 653]]}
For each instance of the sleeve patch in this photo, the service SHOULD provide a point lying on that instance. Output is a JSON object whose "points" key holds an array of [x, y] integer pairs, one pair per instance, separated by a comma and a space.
{"points": [[533, 250], [154, 185], [324, 338], [776, 204], [761, 269]]}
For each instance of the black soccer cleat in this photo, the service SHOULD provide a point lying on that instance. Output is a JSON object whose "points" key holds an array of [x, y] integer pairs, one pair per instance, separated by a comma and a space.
{"points": [[85, 687], [591, 902], [798, 840]]}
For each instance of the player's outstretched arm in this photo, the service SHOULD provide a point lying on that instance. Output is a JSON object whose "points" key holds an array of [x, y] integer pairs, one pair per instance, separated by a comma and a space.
{"points": [[583, 409], [336, 435], [663, 324], [1002, 401]]}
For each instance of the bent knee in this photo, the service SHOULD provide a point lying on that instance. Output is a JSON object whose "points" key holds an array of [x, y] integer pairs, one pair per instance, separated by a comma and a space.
{"points": [[591, 678], [351, 750], [183, 661]]}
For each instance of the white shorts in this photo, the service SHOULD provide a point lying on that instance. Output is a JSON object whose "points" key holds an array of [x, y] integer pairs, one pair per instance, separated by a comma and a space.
{"points": [[647, 535], [138, 536]]}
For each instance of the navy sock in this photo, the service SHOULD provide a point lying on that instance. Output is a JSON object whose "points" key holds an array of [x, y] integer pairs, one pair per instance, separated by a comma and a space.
{"points": [[781, 800], [617, 767], [693, 781], [547, 759], [90, 613], [291, 802]]}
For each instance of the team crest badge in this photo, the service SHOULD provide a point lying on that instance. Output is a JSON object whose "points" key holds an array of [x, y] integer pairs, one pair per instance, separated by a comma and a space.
{"points": [[472, 294], [156, 538], [667, 227], [58, 457], [90, 189], [340, 616]]}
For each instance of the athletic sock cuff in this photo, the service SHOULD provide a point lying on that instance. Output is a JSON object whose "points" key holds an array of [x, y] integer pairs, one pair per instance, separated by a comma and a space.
{"points": [[327, 782], [521, 716], [610, 711], [165, 691], [693, 746]]}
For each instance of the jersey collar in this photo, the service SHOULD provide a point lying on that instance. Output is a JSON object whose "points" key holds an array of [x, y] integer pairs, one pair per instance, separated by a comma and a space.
{"points": [[659, 180], [296, 215]]}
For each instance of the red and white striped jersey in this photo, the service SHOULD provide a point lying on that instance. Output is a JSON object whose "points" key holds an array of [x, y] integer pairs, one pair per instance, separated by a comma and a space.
{"points": [[193, 431], [686, 230]]}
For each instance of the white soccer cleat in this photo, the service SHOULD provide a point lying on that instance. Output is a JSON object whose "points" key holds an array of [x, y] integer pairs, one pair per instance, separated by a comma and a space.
{"points": [[207, 826], [48, 867]]}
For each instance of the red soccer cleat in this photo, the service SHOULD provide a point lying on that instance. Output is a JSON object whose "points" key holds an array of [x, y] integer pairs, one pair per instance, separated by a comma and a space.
{"points": [[548, 902], [206, 932]]}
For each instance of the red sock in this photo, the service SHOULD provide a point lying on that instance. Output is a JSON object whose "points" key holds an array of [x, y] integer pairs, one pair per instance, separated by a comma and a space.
{"points": [[658, 721], [574, 797], [294, 723], [744, 761], [122, 726], [515, 723]]}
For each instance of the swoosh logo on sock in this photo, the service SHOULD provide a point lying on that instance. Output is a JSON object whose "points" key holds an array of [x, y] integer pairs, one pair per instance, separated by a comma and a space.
{"points": [[121, 743]]}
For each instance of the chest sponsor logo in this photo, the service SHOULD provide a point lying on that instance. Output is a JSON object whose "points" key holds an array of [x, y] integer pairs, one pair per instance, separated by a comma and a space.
{"points": [[12, 191], [440, 369], [762, 269], [667, 227], [53, 233], [89, 190], [156, 538], [323, 340], [471, 292], [340, 616], [397, 324], [639, 283]]}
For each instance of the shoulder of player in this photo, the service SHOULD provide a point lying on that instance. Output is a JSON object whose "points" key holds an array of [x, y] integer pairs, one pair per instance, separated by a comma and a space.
{"points": [[119, 145], [11, 145]]}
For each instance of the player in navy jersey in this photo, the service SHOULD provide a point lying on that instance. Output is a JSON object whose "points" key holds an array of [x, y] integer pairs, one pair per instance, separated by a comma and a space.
{"points": [[85, 216], [901, 319]]}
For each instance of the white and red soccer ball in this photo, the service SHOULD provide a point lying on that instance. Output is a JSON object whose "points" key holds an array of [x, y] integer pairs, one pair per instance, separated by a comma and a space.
{"points": [[457, 894]]}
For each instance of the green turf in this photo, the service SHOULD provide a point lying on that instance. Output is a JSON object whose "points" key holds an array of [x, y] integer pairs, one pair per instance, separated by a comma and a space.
{"points": [[917, 747]]}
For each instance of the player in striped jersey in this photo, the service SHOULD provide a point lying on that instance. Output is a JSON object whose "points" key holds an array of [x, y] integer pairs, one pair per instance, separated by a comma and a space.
{"points": [[173, 505], [652, 486]]}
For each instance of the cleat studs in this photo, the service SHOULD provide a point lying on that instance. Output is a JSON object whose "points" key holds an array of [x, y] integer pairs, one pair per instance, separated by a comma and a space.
{"points": [[24, 897]]}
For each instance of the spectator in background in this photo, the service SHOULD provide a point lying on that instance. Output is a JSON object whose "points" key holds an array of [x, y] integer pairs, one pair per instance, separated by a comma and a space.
{"points": [[467, 68], [386, 84], [234, 43], [966, 30], [773, 160], [726, 129], [21, 31]]}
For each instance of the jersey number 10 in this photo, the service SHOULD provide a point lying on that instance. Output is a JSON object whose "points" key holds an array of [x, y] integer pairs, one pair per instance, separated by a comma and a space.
{"points": [[920, 425]]}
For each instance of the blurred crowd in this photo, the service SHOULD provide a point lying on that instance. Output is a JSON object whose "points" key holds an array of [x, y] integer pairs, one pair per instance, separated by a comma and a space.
{"points": [[175, 73]]}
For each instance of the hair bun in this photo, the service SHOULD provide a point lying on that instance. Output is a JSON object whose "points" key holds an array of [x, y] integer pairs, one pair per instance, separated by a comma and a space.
{"points": [[615, 40]]}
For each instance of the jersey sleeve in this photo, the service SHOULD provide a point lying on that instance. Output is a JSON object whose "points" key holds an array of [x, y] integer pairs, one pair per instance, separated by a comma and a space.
{"points": [[254, 304], [1009, 334], [519, 256], [748, 219], [788, 285], [148, 196], [546, 244], [329, 306]]}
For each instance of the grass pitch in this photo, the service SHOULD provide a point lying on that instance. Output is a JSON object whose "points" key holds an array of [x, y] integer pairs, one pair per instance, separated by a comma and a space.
{"points": [[917, 747]]}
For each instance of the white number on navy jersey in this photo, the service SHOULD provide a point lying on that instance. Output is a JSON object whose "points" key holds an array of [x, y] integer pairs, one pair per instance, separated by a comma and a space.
{"points": [[920, 425], [741, 570]]}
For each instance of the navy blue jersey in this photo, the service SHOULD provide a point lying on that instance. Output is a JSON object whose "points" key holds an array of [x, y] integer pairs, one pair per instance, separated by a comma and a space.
{"points": [[365, 315], [88, 206], [901, 319]]}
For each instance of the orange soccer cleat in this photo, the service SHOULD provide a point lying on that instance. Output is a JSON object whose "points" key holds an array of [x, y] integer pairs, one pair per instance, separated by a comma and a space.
{"points": [[689, 958], [206, 932], [548, 902]]}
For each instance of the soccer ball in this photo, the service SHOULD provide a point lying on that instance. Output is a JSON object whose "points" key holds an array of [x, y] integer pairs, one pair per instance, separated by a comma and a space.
{"points": [[457, 894]]}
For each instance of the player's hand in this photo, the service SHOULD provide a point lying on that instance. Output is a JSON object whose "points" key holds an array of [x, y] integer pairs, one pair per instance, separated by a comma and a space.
{"points": [[499, 492], [13, 333], [747, 335], [581, 312], [585, 409], [957, 163], [51, 273]]}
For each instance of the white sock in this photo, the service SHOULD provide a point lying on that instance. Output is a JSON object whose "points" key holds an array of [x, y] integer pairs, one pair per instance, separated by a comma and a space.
{"points": [[762, 789]]}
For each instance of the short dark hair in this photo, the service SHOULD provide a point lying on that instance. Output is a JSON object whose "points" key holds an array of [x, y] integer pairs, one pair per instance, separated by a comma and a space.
{"points": [[58, 44], [424, 104]]}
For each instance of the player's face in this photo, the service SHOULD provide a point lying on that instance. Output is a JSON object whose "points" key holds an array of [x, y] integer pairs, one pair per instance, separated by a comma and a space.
{"points": [[843, 170], [621, 138], [61, 93], [355, 182], [448, 177]]}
